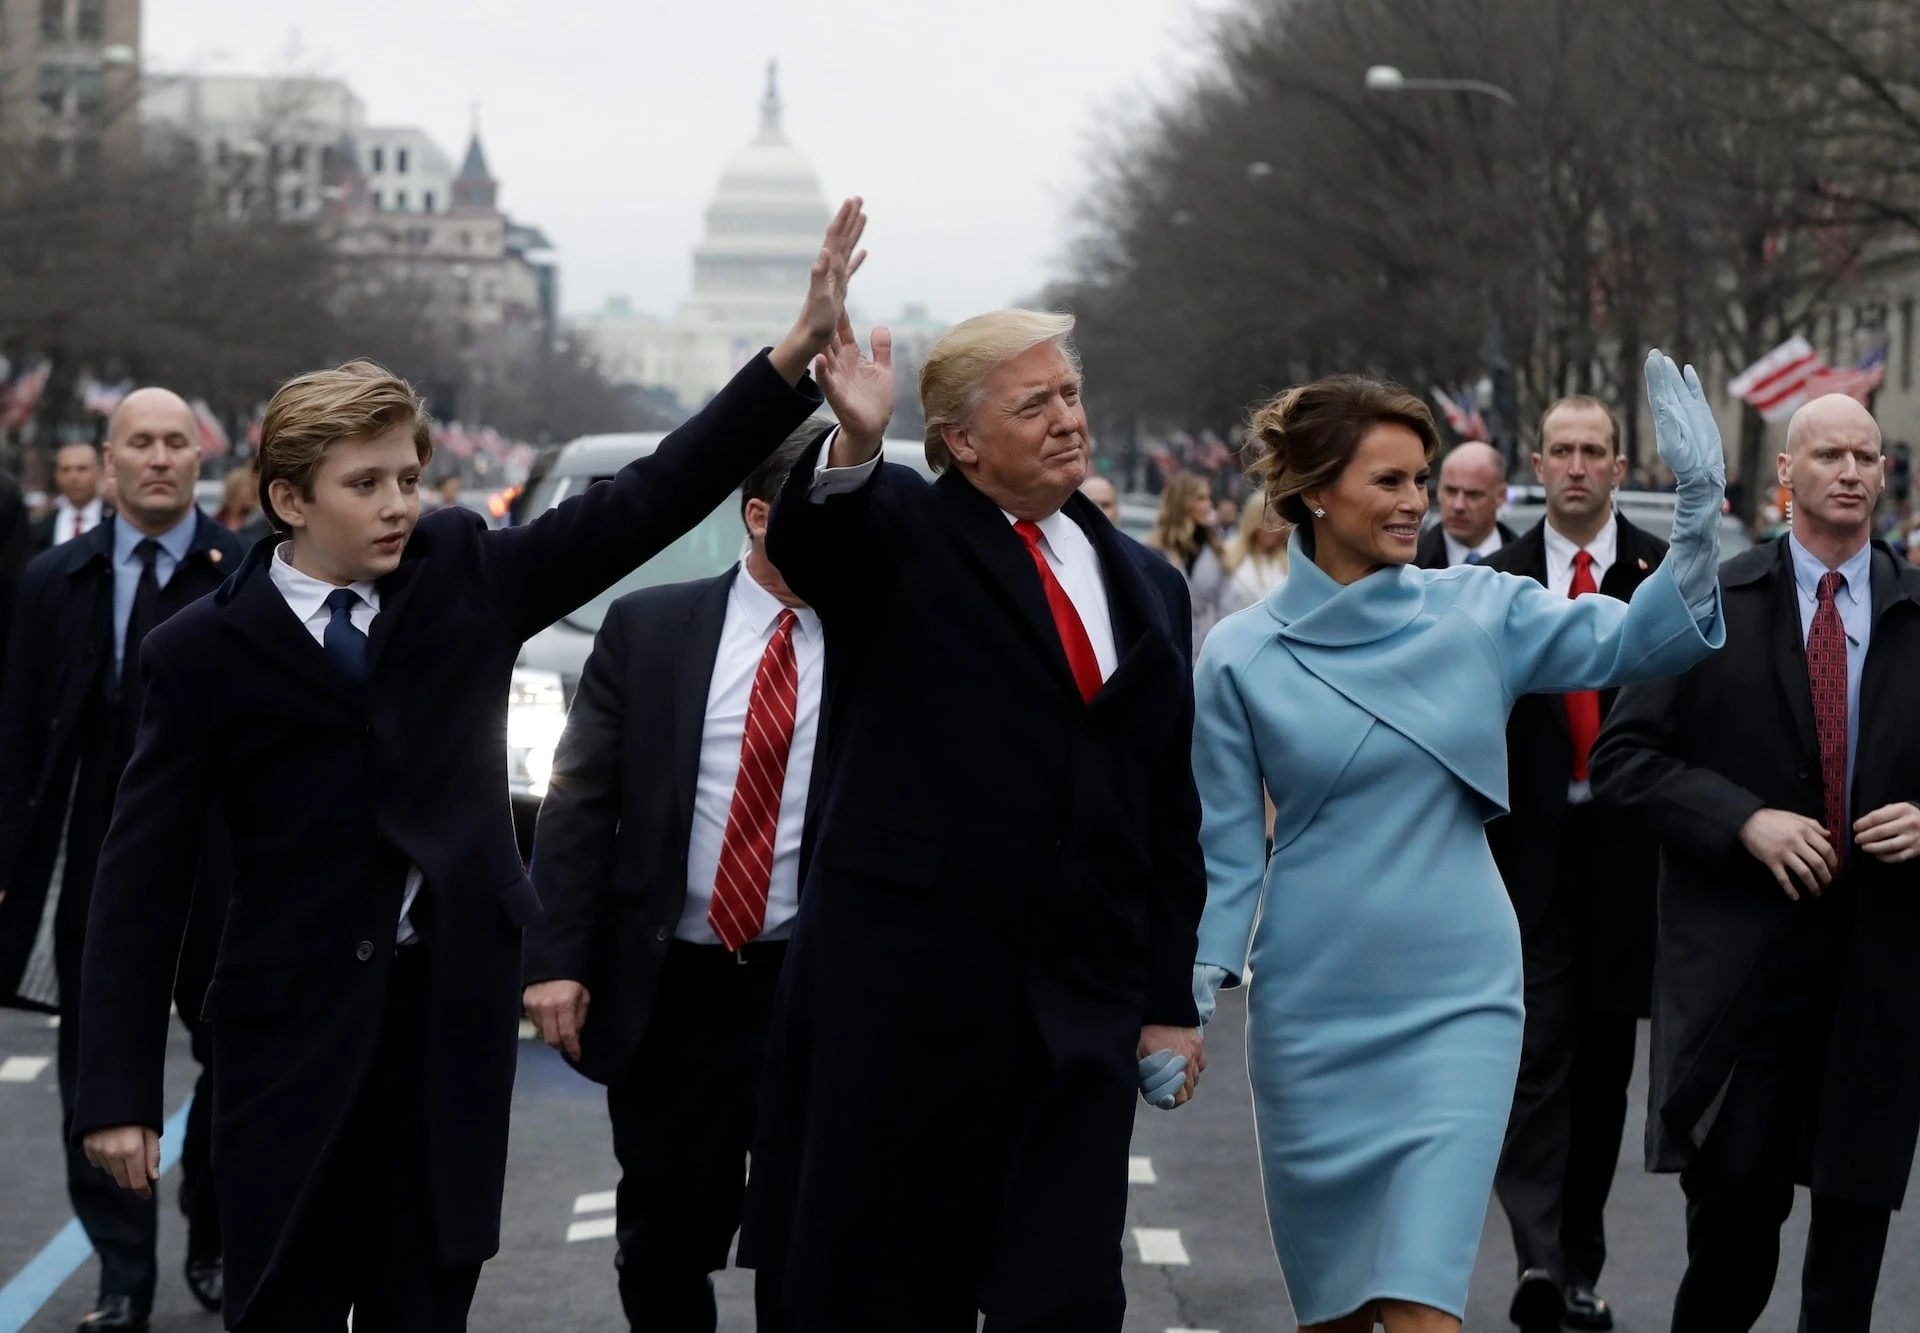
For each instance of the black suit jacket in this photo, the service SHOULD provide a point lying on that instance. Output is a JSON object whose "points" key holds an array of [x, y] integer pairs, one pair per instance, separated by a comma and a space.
{"points": [[1432, 551], [1693, 758], [55, 709], [331, 788], [1527, 842], [16, 546], [610, 854]]}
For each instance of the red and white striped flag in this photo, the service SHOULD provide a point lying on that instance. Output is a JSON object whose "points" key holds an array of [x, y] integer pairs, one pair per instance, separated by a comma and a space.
{"points": [[1855, 381], [213, 435], [1776, 384]]}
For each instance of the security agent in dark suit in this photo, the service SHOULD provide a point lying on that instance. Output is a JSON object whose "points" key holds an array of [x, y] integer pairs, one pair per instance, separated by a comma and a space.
{"points": [[1780, 776], [78, 475], [660, 806], [16, 546], [999, 917], [1473, 486], [67, 714], [347, 713], [1581, 878]]}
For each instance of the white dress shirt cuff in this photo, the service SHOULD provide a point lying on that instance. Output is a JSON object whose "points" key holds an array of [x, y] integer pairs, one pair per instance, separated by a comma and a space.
{"points": [[831, 481]]}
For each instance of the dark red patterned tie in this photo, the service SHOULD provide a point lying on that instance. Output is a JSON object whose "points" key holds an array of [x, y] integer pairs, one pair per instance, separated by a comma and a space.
{"points": [[1073, 634], [1583, 706], [739, 908], [1827, 679]]}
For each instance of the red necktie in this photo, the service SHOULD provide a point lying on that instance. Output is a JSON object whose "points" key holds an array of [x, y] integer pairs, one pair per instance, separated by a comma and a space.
{"points": [[79, 522], [1073, 634], [1583, 706], [739, 908], [1827, 680]]}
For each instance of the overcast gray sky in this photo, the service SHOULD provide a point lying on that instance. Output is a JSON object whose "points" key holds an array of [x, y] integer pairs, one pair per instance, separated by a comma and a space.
{"points": [[964, 122]]}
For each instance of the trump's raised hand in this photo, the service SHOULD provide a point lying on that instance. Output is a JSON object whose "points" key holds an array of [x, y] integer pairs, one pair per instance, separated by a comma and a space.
{"points": [[859, 389], [839, 259]]}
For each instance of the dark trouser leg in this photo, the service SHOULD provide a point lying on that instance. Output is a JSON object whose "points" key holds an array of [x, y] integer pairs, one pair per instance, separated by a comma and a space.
{"points": [[1602, 1069], [1845, 1243], [1733, 1251], [682, 1125], [198, 1202], [122, 1226], [1532, 1173]]}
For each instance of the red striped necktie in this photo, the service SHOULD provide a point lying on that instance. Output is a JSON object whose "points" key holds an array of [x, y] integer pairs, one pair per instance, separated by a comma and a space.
{"points": [[739, 908], [1827, 682], [1583, 706], [1073, 634]]}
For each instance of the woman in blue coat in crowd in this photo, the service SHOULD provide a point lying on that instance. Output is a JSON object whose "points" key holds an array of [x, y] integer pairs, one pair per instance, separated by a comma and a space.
{"points": [[1370, 698]]}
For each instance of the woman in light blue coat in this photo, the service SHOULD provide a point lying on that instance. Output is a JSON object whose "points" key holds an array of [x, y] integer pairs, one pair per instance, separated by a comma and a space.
{"points": [[1370, 699]]}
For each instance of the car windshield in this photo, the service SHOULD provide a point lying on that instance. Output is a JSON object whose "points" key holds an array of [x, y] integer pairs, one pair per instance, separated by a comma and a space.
{"points": [[709, 549]]}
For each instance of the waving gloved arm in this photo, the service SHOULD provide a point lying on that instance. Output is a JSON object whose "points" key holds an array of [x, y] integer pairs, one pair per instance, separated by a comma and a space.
{"points": [[1689, 441]]}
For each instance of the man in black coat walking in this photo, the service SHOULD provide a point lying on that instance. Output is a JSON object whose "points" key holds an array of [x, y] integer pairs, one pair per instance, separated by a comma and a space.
{"points": [[1780, 776], [1581, 878], [1473, 486], [67, 716], [999, 919], [343, 699], [661, 804]]}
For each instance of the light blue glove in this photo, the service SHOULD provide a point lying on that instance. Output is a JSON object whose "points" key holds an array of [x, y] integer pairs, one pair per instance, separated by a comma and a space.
{"points": [[1162, 1075], [1207, 981], [1689, 441]]}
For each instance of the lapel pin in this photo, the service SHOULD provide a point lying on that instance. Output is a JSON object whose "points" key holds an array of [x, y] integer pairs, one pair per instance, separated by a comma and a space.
{"points": [[216, 557], [1642, 561]]}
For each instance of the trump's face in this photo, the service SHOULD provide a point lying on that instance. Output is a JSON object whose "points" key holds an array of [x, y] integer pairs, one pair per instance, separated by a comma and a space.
{"points": [[1025, 446]]}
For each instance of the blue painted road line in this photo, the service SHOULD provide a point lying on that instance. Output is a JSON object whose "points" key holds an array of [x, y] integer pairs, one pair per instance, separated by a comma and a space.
{"points": [[34, 1285]]}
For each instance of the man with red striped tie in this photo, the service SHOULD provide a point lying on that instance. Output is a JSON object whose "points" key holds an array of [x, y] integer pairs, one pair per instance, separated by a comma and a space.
{"points": [[668, 857], [999, 919]]}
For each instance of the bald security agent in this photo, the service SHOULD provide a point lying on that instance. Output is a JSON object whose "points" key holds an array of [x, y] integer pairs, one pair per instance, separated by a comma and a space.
{"points": [[1473, 486]]}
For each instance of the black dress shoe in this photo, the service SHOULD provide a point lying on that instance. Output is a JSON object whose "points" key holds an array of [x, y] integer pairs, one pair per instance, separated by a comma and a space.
{"points": [[207, 1280], [1586, 1310], [116, 1313], [1537, 1303]]}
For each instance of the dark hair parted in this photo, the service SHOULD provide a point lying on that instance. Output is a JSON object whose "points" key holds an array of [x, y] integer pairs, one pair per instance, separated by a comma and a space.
{"points": [[765, 481], [1307, 435]]}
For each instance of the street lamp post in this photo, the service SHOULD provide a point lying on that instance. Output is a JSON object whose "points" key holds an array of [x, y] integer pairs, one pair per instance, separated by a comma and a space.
{"points": [[1388, 79]]}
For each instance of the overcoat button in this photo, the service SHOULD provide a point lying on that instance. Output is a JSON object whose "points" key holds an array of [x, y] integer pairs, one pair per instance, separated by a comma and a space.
{"points": [[365, 951], [661, 934]]}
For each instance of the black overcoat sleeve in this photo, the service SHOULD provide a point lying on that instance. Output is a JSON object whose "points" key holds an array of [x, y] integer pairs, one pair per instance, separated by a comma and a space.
{"points": [[1178, 894], [1638, 765], [574, 846], [22, 726], [836, 552], [581, 547], [141, 896]]}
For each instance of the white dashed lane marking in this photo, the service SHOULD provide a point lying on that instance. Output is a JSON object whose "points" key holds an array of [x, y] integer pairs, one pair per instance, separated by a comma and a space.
{"points": [[594, 1203], [1160, 1245], [22, 1068], [593, 1228], [1140, 1171]]}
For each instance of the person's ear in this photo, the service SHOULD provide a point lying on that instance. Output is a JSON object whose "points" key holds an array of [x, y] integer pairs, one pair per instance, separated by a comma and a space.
{"points": [[1619, 471], [1537, 474], [1783, 467], [757, 513], [960, 444], [286, 501]]}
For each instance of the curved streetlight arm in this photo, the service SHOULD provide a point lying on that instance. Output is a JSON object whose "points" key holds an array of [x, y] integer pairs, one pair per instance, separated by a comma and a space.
{"points": [[1387, 79]]}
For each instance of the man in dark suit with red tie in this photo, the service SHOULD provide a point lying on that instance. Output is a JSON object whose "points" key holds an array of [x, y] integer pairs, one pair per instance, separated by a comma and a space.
{"points": [[1581, 879], [1781, 776], [999, 917], [669, 857]]}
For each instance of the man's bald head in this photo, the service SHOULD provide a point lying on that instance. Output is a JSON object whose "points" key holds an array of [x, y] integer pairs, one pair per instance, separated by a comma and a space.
{"points": [[1472, 485], [1107, 500], [151, 407], [1834, 470], [153, 456]]}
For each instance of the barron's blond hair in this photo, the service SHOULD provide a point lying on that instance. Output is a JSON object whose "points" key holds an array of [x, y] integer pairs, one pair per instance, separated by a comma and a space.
{"points": [[317, 410], [954, 376]]}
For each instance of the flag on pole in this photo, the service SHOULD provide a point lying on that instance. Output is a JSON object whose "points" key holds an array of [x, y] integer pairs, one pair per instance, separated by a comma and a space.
{"points": [[1776, 385], [213, 435], [1855, 381], [1462, 413], [24, 396]]}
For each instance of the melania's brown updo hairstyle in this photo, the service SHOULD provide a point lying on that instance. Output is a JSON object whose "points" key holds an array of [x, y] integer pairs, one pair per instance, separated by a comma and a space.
{"points": [[1307, 435]]}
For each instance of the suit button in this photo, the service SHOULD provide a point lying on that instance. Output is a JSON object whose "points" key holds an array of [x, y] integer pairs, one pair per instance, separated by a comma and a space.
{"points": [[662, 934], [365, 951], [1803, 775]]}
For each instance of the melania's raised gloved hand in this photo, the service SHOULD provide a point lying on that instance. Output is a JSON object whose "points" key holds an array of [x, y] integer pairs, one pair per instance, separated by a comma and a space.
{"points": [[1689, 441]]}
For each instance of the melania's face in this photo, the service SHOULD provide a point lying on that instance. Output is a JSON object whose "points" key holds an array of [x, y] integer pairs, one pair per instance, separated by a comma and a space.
{"points": [[1373, 511]]}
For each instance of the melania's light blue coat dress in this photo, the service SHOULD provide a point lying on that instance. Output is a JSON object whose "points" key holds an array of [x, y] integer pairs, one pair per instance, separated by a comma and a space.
{"points": [[1383, 960]]}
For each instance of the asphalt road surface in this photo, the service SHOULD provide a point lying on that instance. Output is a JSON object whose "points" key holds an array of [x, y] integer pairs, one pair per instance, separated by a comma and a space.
{"points": [[1197, 1251]]}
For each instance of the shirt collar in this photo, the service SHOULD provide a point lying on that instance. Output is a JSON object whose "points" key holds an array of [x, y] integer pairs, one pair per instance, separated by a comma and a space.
{"points": [[91, 508], [1602, 548], [762, 609], [1486, 547], [1808, 568], [1056, 527], [306, 594], [176, 541]]}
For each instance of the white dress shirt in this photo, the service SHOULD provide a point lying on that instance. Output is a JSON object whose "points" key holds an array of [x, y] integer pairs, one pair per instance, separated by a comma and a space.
{"points": [[69, 522], [1604, 548], [1068, 552], [752, 615], [307, 598], [1458, 551]]}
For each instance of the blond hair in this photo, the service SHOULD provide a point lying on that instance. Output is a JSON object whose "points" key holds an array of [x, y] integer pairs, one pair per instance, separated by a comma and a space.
{"points": [[314, 411], [1175, 534], [1253, 519], [954, 376]]}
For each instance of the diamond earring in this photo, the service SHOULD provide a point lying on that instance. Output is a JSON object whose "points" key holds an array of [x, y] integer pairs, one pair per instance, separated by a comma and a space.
{"points": [[1319, 513]]}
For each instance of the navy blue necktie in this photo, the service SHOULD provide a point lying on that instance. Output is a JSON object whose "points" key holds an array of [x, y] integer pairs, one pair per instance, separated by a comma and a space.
{"points": [[141, 617], [345, 645], [1474, 557]]}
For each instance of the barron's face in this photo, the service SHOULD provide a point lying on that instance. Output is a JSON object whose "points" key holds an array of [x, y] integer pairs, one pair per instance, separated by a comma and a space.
{"points": [[1375, 508], [366, 499], [154, 456], [1026, 445], [1577, 463]]}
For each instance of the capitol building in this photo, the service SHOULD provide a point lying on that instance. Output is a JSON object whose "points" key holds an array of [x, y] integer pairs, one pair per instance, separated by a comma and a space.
{"points": [[763, 231]]}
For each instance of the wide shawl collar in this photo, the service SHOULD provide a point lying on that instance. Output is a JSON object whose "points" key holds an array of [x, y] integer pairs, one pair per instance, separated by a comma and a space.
{"points": [[1383, 649]]}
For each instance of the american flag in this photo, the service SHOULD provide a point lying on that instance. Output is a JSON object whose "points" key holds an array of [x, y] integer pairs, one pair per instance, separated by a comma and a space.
{"points": [[1855, 381], [1776, 384], [1462, 413], [213, 435], [24, 396]]}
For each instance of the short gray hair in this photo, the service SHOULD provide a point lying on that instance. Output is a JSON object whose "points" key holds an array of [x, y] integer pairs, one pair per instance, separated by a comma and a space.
{"points": [[954, 376]]}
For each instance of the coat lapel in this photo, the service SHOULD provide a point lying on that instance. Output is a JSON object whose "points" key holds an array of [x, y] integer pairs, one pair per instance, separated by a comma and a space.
{"points": [[1787, 649], [258, 613], [1896, 592], [699, 648], [90, 580], [395, 589]]}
